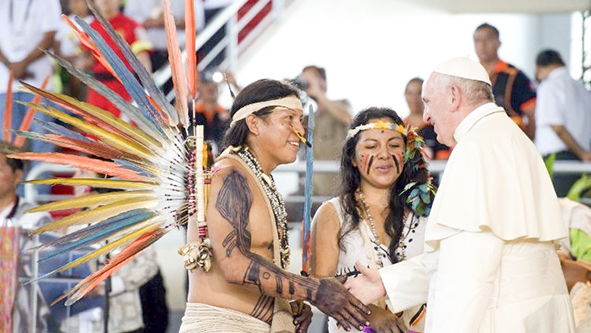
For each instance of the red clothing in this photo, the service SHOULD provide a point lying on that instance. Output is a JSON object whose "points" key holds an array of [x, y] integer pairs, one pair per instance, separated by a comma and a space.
{"points": [[133, 34]]}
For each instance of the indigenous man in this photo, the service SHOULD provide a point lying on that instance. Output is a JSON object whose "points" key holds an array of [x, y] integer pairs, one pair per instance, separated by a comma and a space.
{"points": [[247, 288], [491, 263]]}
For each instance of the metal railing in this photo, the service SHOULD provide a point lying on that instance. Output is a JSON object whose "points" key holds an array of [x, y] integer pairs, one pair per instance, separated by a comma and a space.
{"points": [[233, 24]]}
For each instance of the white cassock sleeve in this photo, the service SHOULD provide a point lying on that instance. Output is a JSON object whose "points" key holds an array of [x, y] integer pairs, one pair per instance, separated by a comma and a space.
{"points": [[462, 288], [407, 282]]}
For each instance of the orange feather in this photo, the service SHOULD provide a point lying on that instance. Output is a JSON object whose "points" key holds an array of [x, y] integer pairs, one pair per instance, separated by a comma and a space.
{"points": [[176, 64], [8, 110], [122, 258], [108, 168], [190, 47], [87, 42], [26, 124]]}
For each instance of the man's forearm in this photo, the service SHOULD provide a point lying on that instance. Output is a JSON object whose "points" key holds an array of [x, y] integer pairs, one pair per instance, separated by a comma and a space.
{"points": [[45, 44], [569, 141], [335, 108]]}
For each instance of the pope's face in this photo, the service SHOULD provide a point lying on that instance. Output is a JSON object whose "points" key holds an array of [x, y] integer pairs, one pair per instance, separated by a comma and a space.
{"points": [[8, 178], [437, 110]]}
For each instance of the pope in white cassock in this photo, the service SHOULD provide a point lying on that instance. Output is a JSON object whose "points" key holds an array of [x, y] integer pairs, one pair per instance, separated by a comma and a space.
{"points": [[491, 239]]}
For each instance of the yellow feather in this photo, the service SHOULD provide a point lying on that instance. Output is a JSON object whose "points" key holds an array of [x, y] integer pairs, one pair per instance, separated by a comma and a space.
{"points": [[88, 200], [94, 182], [99, 213], [134, 132], [114, 140], [107, 248]]}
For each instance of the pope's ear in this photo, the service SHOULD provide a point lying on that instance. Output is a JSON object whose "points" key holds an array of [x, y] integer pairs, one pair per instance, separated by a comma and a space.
{"points": [[253, 123]]}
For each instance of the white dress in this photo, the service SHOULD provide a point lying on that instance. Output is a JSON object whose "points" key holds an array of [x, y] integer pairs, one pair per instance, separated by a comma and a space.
{"points": [[355, 250]]}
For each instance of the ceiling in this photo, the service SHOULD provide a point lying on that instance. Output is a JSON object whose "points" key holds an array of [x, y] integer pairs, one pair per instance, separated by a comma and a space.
{"points": [[508, 6]]}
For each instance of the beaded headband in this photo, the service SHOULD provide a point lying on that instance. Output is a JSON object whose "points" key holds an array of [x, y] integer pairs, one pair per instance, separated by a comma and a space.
{"points": [[377, 125], [289, 102]]}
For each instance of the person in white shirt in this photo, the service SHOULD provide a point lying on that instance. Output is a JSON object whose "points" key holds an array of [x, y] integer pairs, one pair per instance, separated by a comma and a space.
{"points": [[490, 263], [563, 116]]}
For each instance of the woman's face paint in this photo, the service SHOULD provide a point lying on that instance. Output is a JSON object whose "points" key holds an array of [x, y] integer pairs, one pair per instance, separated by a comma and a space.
{"points": [[397, 157], [378, 156], [369, 164]]}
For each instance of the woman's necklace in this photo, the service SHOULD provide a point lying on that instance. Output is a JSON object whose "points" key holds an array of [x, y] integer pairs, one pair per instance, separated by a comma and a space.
{"points": [[400, 253], [276, 202]]}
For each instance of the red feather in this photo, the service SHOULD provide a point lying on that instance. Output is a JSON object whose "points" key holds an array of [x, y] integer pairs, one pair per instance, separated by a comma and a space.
{"points": [[190, 47], [8, 110], [176, 64], [108, 168], [122, 258]]}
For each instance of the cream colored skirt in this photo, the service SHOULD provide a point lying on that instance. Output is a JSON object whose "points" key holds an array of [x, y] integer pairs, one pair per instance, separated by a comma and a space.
{"points": [[204, 318]]}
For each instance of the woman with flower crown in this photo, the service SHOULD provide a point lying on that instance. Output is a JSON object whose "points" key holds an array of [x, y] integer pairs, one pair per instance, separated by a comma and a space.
{"points": [[378, 217]]}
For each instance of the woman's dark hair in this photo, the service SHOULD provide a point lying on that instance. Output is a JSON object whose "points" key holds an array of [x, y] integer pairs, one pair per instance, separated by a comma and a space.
{"points": [[258, 91], [351, 180]]}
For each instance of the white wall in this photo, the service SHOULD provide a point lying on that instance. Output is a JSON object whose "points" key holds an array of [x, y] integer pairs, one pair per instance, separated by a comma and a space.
{"points": [[372, 48]]}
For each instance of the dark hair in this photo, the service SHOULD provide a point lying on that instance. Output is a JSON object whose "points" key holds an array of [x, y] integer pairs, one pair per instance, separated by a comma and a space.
{"points": [[494, 30], [351, 180], [258, 91], [549, 57], [320, 70], [413, 80], [14, 164]]}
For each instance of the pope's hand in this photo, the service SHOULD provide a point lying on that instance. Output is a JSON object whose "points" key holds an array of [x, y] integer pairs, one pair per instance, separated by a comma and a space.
{"points": [[368, 287]]}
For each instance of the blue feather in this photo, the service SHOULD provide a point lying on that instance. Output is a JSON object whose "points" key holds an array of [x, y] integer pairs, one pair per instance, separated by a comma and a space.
{"points": [[55, 128], [140, 70], [128, 80], [111, 227], [125, 107], [134, 167]]}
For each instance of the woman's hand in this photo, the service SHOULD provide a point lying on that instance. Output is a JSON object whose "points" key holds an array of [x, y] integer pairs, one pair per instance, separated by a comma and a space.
{"points": [[384, 321]]}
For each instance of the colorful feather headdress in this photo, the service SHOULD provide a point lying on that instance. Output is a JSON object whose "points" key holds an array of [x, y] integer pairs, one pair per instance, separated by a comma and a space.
{"points": [[159, 166]]}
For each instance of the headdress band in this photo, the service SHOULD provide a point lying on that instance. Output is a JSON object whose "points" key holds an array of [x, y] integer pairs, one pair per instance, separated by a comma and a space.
{"points": [[290, 102], [377, 125]]}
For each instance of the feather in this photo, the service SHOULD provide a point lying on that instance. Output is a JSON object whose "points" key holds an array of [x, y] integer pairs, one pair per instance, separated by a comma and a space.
{"points": [[99, 213], [98, 117], [126, 255], [87, 201], [156, 95], [93, 148], [100, 235], [190, 47], [112, 139], [8, 110], [96, 182], [144, 123], [28, 120], [92, 164], [176, 64], [78, 234], [61, 130], [83, 38], [128, 80], [108, 247]]}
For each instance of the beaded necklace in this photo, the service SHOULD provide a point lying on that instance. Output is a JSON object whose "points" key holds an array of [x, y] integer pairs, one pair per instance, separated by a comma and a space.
{"points": [[276, 200], [400, 253]]}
